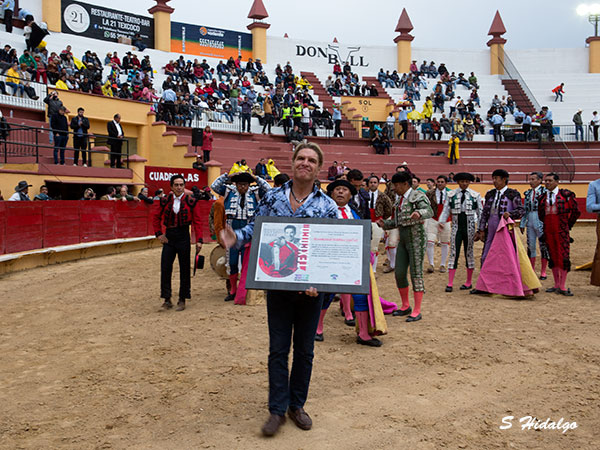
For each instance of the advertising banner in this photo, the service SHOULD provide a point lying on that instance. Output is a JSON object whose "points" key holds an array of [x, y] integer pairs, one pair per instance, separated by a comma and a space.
{"points": [[98, 22], [159, 177], [210, 42]]}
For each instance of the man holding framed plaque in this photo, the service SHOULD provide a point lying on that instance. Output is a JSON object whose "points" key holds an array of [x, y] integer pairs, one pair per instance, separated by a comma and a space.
{"points": [[411, 209], [291, 312]]}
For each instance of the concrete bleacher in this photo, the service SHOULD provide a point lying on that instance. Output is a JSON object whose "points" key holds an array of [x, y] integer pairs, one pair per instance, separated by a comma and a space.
{"points": [[480, 157]]}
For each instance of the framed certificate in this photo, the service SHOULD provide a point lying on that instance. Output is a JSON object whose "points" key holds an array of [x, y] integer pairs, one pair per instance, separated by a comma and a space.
{"points": [[294, 254]]}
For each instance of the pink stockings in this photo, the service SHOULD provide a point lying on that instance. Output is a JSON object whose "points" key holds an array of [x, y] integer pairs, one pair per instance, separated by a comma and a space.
{"points": [[452, 273], [560, 278], [406, 304]]}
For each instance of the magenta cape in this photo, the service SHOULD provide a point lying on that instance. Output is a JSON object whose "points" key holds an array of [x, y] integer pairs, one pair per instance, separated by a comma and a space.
{"points": [[501, 272]]}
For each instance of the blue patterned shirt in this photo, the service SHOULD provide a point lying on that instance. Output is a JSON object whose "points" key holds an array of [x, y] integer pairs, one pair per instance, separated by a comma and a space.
{"points": [[276, 202], [592, 204]]}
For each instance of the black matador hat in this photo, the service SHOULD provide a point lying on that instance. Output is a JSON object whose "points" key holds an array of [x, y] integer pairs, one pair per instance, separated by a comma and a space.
{"points": [[464, 176], [242, 177], [336, 183]]}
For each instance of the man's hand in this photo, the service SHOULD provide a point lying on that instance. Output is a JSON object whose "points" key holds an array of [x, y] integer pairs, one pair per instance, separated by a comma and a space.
{"points": [[311, 292], [198, 247], [137, 199], [478, 236], [163, 239], [506, 215], [379, 223], [440, 226], [415, 216], [228, 237]]}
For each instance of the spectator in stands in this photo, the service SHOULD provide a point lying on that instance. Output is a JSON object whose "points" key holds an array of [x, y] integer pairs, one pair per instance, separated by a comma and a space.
{"points": [[25, 82], [546, 122], [378, 144], [426, 129], [559, 91], [110, 194], [4, 128], [453, 151], [337, 120], [5, 58], [403, 121], [436, 132], [207, 143], [137, 42], [473, 81], [89, 194], [169, 97], [261, 169], [80, 126], [158, 194], [390, 123], [497, 122], [595, 124], [305, 121], [246, 108], [578, 121], [8, 6], [124, 195], [21, 191], [115, 140], [43, 195], [459, 129], [526, 126], [60, 129], [143, 196], [295, 136], [332, 171], [469, 127], [13, 79], [268, 109]]}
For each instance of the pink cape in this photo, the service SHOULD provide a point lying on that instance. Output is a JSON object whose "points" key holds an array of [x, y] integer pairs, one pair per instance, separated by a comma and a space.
{"points": [[240, 295], [501, 271]]}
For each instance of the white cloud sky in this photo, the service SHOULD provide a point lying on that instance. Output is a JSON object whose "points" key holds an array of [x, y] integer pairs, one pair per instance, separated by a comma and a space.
{"points": [[437, 23]]}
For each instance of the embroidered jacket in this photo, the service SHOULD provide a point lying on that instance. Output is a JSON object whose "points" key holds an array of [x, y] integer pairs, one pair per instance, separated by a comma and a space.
{"points": [[232, 197], [188, 215], [509, 202], [531, 199], [416, 201], [472, 205]]}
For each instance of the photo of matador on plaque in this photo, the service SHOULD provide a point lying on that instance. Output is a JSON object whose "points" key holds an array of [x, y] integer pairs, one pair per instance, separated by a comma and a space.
{"points": [[293, 254]]}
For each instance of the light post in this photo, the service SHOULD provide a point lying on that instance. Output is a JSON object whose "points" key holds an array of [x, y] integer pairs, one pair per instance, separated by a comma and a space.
{"points": [[592, 11]]}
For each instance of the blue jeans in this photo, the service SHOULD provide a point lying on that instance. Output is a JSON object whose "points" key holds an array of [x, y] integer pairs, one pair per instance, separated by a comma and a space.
{"points": [[60, 142], [558, 94], [578, 129], [16, 87], [291, 312]]}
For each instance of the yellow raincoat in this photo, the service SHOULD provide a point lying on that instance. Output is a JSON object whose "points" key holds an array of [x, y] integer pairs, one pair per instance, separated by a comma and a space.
{"points": [[457, 140], [271, 169]]}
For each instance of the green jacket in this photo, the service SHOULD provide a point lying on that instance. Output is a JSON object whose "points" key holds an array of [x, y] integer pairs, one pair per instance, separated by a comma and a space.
{"points": [[417, 201], [28, 60]]}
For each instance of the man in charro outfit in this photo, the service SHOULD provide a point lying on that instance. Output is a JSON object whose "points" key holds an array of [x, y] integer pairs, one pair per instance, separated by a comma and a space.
{"points": [[558, 211], [176, 212], [465, 206], [410, 210], [499, 202], [531, 221]]}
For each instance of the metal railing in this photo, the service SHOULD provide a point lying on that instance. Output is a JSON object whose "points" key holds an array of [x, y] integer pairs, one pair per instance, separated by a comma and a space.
{"points": [[23, 141], [555, 150]]}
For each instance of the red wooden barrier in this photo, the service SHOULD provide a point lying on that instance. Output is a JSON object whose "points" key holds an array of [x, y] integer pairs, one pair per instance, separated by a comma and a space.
{"points": [[33, 225], [61, 223], [97, 219], [24, 223], [2, 228]]}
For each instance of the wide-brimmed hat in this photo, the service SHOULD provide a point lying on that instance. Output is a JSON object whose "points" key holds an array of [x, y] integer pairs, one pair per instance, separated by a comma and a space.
{"points": [[243, 177], [22, 186], [336, 183], [218, 261]]}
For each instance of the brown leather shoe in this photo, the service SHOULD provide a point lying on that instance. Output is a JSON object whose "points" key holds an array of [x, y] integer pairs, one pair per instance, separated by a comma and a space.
{"points": [[272, 425], [300, 418], [387, 269], [180, 306]]}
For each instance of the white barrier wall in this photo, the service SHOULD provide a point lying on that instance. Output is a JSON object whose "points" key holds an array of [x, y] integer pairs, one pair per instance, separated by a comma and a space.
{"points": [[550, 60]]}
